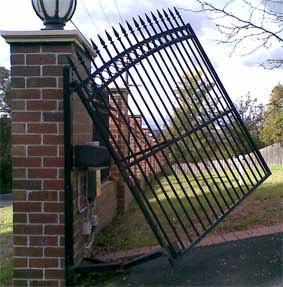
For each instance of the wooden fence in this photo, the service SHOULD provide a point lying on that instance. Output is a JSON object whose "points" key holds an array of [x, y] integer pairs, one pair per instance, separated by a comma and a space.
{"points": [[272, 154]]}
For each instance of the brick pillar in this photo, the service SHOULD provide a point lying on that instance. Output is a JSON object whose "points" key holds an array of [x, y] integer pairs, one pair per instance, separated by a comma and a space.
{"points": [[37, 59], [123, 194]]}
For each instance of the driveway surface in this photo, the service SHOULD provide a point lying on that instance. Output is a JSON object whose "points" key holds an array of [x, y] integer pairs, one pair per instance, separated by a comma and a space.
{"points": [[248, 262]]}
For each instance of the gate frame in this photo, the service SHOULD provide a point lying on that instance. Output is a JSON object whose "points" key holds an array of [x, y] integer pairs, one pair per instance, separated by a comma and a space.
{"points": [[76, 86]]}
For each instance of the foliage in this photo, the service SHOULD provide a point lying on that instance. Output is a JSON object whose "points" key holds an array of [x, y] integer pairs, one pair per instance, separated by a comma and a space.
{"points": [[272, 131], [4, 91], [258, 23], [253, 116], [195, 106], [5, 155]]}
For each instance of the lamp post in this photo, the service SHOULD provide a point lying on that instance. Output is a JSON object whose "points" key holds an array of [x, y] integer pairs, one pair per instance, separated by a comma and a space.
{"points": [[54, 13]]}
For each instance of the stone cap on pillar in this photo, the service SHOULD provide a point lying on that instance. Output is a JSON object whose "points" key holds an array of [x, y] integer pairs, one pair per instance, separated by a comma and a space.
{"points": [[47, 36]]}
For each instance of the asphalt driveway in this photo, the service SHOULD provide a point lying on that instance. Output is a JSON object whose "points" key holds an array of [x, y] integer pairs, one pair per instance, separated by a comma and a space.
{"points": [[248, 262]]}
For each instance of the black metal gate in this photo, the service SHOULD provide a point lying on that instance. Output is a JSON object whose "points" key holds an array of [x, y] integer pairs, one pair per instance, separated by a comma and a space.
{"points": [[204, 159]]}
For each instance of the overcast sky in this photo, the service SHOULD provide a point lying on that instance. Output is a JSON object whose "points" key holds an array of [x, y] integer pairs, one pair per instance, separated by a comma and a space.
{"points": [[239, 74]]}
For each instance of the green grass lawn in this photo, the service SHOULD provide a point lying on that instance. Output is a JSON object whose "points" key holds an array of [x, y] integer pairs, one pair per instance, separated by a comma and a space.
{"points": [[6, 245], [262, 208]]}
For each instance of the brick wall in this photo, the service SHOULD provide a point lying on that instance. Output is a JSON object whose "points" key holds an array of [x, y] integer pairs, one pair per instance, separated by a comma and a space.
{"points": [[38, 162], [37, 154]]}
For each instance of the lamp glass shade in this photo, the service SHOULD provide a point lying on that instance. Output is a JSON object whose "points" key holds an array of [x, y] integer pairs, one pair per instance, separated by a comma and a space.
{"points": [[54, 13]]}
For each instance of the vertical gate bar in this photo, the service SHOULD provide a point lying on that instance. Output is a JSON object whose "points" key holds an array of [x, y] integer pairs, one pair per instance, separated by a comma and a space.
{"points": [[207, 102], [176, 44], [152, 189], [125, 140], [165, 76], [180, 166], [68, 166], [172, 120], [152, 224], [205, 85], [219, 190], [250, 141], [148, 107], [158, 125]]}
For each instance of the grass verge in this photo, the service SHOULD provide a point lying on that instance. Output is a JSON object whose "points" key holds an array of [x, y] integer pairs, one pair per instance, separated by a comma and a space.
{"points": [[6, 245], [262, 208]]}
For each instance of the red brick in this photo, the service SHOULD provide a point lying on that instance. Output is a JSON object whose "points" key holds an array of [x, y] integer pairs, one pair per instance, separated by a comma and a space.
{"points": [[27, 206], [18, 83], [18, 105], [54, 274], [19, 218], [19, 195], [26, 116], [43, 218], [28, 273], [18, 151], [52, 71], [24, 48], [25, 71], [43, 263], [54, 229], [27, 184], [56, 48], [41, 105], [26, 162], [26, 139], [53, 117], [43, 241], [28, 230], [25, 94], [53, 207], [41, 82], [17, 59], [40, 59], [52, 139], [53, 184], [53, 162], [20, 262], [42, 150], [19, 173], [44, 283], [54, 252], [18, 128], [52, 94], [43, 196], [42, 173], [20, 240]]}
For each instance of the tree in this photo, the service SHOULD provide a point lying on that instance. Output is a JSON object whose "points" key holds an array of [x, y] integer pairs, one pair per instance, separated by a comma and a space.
{"points": [[4, 91], [272, 131], [261, 25], [194, 108], [253, 115]]}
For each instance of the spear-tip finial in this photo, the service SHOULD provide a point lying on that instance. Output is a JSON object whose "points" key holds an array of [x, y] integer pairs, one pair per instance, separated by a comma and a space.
{"points": [[101, 40], [129, 26], [142, 21], [176, 11], [153, 17], [159, 14], [136, 23], [171, 12], [93, 45], [108, 36], [148, 19], [115, 33], [122, 29], [165, 13]]}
